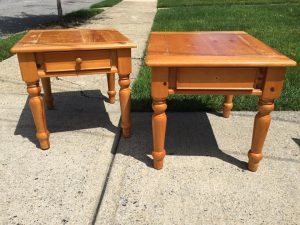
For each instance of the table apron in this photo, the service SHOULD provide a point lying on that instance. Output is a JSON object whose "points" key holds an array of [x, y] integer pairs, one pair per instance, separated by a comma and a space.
{"points": [[73, 63], [42, 74], [237, 81]]}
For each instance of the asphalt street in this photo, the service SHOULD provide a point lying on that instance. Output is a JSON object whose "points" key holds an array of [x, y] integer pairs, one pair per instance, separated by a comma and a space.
{"points": [[16, 16]]}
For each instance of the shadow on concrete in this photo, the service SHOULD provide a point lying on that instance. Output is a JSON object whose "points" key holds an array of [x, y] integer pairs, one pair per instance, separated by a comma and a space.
{"points": [[10, 25], [297, 141], [74, 110], [188, 134]]}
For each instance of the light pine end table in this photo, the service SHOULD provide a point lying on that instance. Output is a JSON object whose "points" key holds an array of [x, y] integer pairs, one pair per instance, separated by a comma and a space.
{"points": [[214, 63], [71, 52]]}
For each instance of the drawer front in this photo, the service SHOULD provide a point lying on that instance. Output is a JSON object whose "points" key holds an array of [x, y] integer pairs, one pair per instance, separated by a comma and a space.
{"points": [[216, 78], [76, 60]]}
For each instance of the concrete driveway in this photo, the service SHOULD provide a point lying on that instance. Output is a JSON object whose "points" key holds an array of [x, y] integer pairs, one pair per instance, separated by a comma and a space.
{"points": [[16, 16]]}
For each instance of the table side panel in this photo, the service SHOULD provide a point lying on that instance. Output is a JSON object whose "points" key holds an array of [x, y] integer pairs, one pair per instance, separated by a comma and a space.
{"points": [[124, 63], [273, 82], [28, 67]]}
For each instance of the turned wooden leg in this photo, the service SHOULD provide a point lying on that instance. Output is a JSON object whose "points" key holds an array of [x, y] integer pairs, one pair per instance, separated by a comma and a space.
{"points": [[48, 98], [159, 123], [261, 125], [111, 87], [227, 105], [38, 112], [125, 103]]}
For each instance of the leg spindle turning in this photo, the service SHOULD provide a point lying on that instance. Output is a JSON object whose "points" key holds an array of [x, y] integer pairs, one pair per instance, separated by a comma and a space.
{"points": [[261, 125], [159, 123], [111, 87], [125, 102], [38, 112], [48, 98], [227, 105]]}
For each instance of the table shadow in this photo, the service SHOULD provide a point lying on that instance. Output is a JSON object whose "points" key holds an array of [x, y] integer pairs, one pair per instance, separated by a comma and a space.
{"points": [[297, 141], [188, 134], [73, 110], [10, 25]]}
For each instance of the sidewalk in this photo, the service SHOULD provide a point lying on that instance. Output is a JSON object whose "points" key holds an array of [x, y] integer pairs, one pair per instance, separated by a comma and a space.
{"points": [[91, 175], [204, 180], [17, 16], [64, 184], [133, 18]]}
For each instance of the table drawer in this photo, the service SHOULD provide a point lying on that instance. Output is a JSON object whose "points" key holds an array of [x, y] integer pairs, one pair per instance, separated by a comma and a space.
{"points": [[216, 78], [76, 60]]}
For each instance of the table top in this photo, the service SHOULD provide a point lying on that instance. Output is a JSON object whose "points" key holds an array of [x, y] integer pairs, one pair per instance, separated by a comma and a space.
{"points": [[211, 49], [71, 39]]}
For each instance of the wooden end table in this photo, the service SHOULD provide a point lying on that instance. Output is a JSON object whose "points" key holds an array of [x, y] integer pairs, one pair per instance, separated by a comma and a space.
{"points": [[51, 53], [218, 63]]}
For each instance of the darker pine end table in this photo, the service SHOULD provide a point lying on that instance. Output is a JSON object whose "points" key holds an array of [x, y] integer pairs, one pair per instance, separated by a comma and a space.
{"points": [[51, 53], [215, 63]]}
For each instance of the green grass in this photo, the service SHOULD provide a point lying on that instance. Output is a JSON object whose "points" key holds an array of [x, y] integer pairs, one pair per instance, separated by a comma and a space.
{"points": [[106, 3], [172, 3], [7, 43], [276, 25]]}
